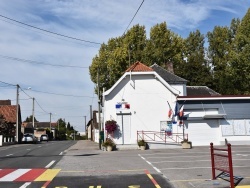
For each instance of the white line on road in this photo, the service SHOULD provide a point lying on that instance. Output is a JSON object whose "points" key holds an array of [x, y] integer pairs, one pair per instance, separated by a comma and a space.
{"points": [[9, 155], [14, 175], [61, 153], [25, 185], [50, 164], [191, 168], [156, 169]]}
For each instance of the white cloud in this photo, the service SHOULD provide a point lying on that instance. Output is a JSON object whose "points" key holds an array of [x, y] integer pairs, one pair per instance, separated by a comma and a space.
{"points": [[90, 20]]}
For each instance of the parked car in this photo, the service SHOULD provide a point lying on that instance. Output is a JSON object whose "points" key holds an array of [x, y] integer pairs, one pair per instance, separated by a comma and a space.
{"points": [[29, 138], [44, 137]]}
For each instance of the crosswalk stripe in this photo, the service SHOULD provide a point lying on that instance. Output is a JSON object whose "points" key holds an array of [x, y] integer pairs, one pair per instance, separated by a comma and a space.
{"points": [[31, 175], [14, 175], [48, 175], [4, 172]]}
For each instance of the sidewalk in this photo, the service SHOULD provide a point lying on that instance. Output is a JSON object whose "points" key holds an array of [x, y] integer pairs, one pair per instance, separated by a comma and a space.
{"points": [[86, 157], [85, 145]]}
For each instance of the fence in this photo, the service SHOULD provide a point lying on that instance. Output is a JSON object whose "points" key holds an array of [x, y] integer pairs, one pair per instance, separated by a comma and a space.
{"points": [[161, 137], [221, 160]]}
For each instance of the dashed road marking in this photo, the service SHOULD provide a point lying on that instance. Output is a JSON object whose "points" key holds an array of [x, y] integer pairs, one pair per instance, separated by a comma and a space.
{"points": [[50, 164]]}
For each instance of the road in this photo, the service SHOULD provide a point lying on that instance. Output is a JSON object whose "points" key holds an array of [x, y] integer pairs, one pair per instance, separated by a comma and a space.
{"points": [[85, 166], [21, 164]]}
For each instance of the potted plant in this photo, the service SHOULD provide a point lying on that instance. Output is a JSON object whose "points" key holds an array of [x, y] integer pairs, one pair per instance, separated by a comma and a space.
{"points": [[110, 126], [186, 144], [142, 144], [108, 144]]}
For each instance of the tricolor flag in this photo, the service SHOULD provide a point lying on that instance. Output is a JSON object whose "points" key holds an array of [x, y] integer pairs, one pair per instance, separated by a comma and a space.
{"points": [[181, 112], [170, 111]]}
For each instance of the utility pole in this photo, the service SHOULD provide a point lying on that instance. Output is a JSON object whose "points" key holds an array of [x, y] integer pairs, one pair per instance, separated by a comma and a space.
{"points": [[91, 126], [85, 122], [17, 114], [99, 111], [50, 124], [33, 113]]}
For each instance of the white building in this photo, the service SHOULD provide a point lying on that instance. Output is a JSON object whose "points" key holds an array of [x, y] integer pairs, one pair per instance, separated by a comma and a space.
{"points": [[140, 100]]}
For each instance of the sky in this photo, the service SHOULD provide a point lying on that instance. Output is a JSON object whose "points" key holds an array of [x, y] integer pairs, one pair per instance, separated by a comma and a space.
{"points": [[47, 46]]}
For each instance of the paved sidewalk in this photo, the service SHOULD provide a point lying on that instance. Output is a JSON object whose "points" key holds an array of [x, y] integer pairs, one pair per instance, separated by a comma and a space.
{"points": [[85, 156], [85, 145]]}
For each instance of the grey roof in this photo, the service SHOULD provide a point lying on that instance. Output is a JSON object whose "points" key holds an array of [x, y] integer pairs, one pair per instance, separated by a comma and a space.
{"points": [[201, 91], [168, 76]]}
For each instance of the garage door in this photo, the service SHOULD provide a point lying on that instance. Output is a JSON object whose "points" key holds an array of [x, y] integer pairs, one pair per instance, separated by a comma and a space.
{"points": [[203, 132]]}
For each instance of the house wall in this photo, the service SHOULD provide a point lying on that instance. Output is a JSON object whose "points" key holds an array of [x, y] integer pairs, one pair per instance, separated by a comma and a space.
{"points": [[181, 88], [233, 127], [148, 99]]}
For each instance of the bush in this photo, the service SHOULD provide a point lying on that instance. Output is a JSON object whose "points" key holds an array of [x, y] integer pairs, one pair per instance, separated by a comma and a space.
{"points": [[141, 143], [108, 142]]}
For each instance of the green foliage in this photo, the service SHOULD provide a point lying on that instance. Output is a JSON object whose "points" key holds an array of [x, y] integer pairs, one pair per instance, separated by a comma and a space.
{"points": [[195, 57], [30, 119], [108, 142], [223, 66], [141, 142]]}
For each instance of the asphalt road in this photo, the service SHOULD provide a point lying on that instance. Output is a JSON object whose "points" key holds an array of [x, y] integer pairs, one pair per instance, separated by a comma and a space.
{"points": [[159, 168], [84, 165], [22, 164]]}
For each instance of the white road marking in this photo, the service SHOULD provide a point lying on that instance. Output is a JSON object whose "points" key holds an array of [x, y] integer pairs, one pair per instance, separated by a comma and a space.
{"points": [[156, 169], [25, 185], [9, 155], [50, 164], [61, 153], [191, 168], [14, 175]]}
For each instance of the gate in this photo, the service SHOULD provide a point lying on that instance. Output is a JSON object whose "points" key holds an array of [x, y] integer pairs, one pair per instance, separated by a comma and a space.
{"points": [[161, 137], [223, 162]]}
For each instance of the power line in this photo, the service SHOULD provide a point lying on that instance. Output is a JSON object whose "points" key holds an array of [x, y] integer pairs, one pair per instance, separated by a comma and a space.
{"points": [[58, 34], [8, 83], [41, 107], [61, 94], [41, 32], [133, 17], [26, 93], [40, 63], [66, 95]]}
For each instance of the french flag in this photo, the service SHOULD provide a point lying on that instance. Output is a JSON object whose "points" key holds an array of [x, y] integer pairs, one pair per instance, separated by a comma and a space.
{"points": [[181, 113]]}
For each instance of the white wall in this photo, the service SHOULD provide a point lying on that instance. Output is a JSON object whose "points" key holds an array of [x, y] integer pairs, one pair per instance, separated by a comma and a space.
{"points": [[147, 97]]}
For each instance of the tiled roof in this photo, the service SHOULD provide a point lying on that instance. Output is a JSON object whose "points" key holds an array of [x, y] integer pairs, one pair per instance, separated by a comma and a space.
{"points": [[201, 91], [168, 76], [9, 113], [39, 124], [139, 67], [5, 102]]}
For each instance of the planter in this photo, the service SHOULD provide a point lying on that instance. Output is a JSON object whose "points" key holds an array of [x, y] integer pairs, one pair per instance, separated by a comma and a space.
{"points": [[109, 148], [186, 145], [143, 147]]}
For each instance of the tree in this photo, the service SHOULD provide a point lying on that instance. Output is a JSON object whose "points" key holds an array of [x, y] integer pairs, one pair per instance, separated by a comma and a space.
{"points": [[68, 126], [240, 57], [62, 129], [30, 119], [116, 56], [164, 46], [196, 69]]}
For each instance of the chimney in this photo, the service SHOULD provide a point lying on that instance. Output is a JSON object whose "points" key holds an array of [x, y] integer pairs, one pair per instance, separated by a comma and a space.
{"points": [[169, 66]]}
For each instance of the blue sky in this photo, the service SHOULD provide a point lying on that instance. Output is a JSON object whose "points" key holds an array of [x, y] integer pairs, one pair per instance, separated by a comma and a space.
{"points": [[91, 20]]}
